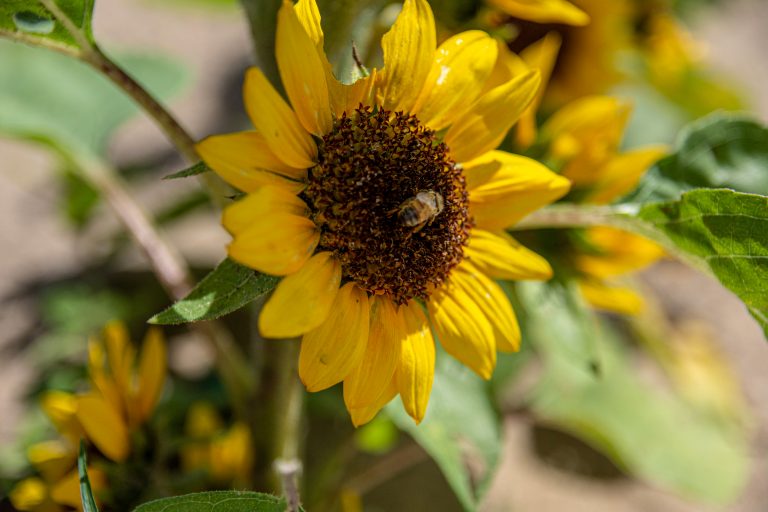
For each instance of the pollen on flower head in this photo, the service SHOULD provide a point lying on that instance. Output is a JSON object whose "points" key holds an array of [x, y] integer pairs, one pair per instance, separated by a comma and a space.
{"points": [[370, 163]]}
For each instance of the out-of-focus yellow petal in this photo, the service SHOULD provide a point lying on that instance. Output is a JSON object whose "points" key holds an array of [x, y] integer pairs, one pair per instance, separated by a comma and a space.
{"points": [[585, 134], [362, 415], [275, 120], [30, 494], [232, 455], [504, 188], [97, 369], [61, 408], [541, 55], [543, 11], [616, 299], [618, 252], [203, 422], [461, 66], [263, 202], [302, 72], [121, 356], [365, 385], [462, 328], [622, 174], [492, 301], [52, 458], [279, 244], [302, 301], [245, 161], [484, 125], [103, 426], [508, 65], [502, 257], [67, 490], [416, 369], [409, 48], [329, 352], [152, 370]]}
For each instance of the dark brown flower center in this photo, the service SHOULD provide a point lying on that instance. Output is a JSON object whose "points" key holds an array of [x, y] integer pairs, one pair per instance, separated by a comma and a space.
{"points": [[390, 203]]}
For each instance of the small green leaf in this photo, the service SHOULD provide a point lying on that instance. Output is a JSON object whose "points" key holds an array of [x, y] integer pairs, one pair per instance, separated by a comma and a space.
{"points": [[719, 151], [228, 288], [216, 501], [31, 18], [198, 168], [647, 431], [460, 430], [86, 494], [727, 232]]}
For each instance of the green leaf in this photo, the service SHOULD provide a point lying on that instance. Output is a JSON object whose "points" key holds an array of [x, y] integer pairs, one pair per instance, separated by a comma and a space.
{"points": [[216, 501], [228, 288], [32, 20], [198, 168], [86, 494], [57, 100], [719, 151], [727, 234], [647, 431], [460, 430]]}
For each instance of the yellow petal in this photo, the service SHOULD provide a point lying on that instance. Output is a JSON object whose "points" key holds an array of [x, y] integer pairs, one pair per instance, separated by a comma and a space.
{"points": [[303, 300], [97, 368], [279, 244], [541, 56], [245, 161], [463, 329], [543, 11], [302, 72], [329, 352], [585, 134], [365, 385], [416, 369], [262, 203], [121, 356], [484, 125], [51, 458], [152, 370], [622, 174], [502, 257], [67, 490], [508, 65], [29, 494], [492, 301], [103, 426], [461, 66], [362, 415], [309, 17], [616, 252], [409, 47], [61, 408], [616, 299], [274, 119], [504, 188]]}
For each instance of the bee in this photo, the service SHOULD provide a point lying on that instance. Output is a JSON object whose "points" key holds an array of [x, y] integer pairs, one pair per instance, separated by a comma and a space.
{"points": [[419, 210]]}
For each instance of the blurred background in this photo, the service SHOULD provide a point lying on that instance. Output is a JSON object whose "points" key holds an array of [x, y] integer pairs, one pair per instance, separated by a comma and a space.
{"points": [[58, 239]]}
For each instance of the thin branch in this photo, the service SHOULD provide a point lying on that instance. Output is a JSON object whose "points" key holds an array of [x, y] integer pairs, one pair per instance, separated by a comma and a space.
{"points": [[289, 470], [386, 468], [168, 265], [21, 37]]}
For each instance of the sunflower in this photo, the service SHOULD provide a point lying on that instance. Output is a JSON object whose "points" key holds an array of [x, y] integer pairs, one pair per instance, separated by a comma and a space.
{"points": [[583, 139], [383, 205]]}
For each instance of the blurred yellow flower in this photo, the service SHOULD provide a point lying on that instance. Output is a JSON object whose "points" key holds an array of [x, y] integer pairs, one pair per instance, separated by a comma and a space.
{"points": [[543, 11], [584, 138], [226, 454], [122, 398], [377, 198]]}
